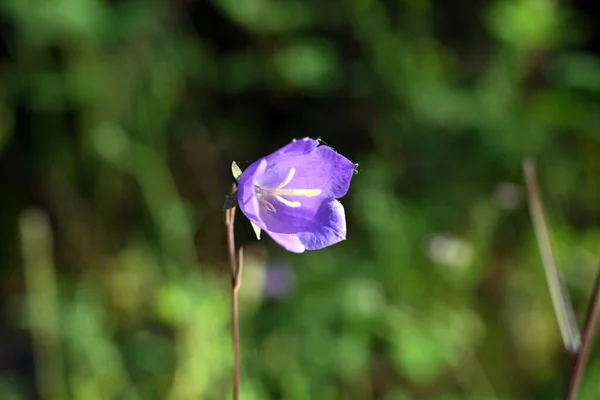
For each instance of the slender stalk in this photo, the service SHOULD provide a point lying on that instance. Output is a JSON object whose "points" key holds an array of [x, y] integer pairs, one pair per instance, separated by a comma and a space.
{"points": [[235, 270], [560, 299], [579, 345], [589, 331], [42, 301]]}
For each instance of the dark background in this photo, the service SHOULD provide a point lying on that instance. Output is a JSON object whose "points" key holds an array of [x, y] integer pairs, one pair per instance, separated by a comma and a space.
{"points": [[118, 124]]}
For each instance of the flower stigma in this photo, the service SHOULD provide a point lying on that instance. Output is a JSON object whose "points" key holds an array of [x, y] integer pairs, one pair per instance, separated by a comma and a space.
{"points": [[279, 191]]}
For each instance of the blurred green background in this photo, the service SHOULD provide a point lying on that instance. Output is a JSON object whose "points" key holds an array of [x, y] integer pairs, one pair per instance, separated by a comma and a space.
{"points": [[118, 124]]}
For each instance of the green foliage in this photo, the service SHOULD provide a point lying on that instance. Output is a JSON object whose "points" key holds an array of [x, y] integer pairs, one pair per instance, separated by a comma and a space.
{"points": [[307, 65], [117, 123]]}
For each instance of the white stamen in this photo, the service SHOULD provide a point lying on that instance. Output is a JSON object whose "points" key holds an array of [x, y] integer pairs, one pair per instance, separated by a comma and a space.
{"points": [[293, 204], [298, 192], [287, 179], [279, 191]]}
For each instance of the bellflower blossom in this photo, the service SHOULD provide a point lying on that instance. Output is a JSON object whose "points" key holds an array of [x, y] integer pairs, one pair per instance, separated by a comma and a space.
{"points": [[292, 195]]}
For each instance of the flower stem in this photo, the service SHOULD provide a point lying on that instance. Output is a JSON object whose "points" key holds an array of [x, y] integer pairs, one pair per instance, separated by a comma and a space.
{"points": [[235, 270], [589, 331]]}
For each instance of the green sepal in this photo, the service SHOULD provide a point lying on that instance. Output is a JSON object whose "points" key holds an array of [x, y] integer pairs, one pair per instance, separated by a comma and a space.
{"points": [[256, 230], [236, 171]]}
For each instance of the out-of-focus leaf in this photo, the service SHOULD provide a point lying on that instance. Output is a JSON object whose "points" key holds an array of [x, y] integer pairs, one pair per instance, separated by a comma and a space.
{"points": [[45, 21], [265, 16], [526, 24], [308, 65]]}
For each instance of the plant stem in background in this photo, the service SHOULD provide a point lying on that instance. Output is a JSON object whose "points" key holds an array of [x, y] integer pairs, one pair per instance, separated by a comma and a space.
{"points": [[589, 331], [43, 312], [235, 270], [560, 299], [579, 345]]}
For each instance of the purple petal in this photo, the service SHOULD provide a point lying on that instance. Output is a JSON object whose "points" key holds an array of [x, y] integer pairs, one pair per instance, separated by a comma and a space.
{"points": [[287, 241], [328, 228], [296, 147], [322, 169], [291, 194], [290, 220], [247, 199]]}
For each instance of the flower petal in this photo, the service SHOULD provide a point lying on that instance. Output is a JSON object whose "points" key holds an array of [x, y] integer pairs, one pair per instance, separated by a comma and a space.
{"points": [[291, 195], [329, 227], [296, 147], [287, 219], [321, 170], [289, 242], [247, 200]]}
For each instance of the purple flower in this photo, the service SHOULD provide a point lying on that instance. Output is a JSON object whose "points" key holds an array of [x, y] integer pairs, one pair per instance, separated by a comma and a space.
{"points": [[291, 194]]}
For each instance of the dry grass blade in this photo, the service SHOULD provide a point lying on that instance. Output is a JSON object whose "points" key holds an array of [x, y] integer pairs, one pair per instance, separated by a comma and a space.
{"points": [[562, 304], [589, 331]]}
